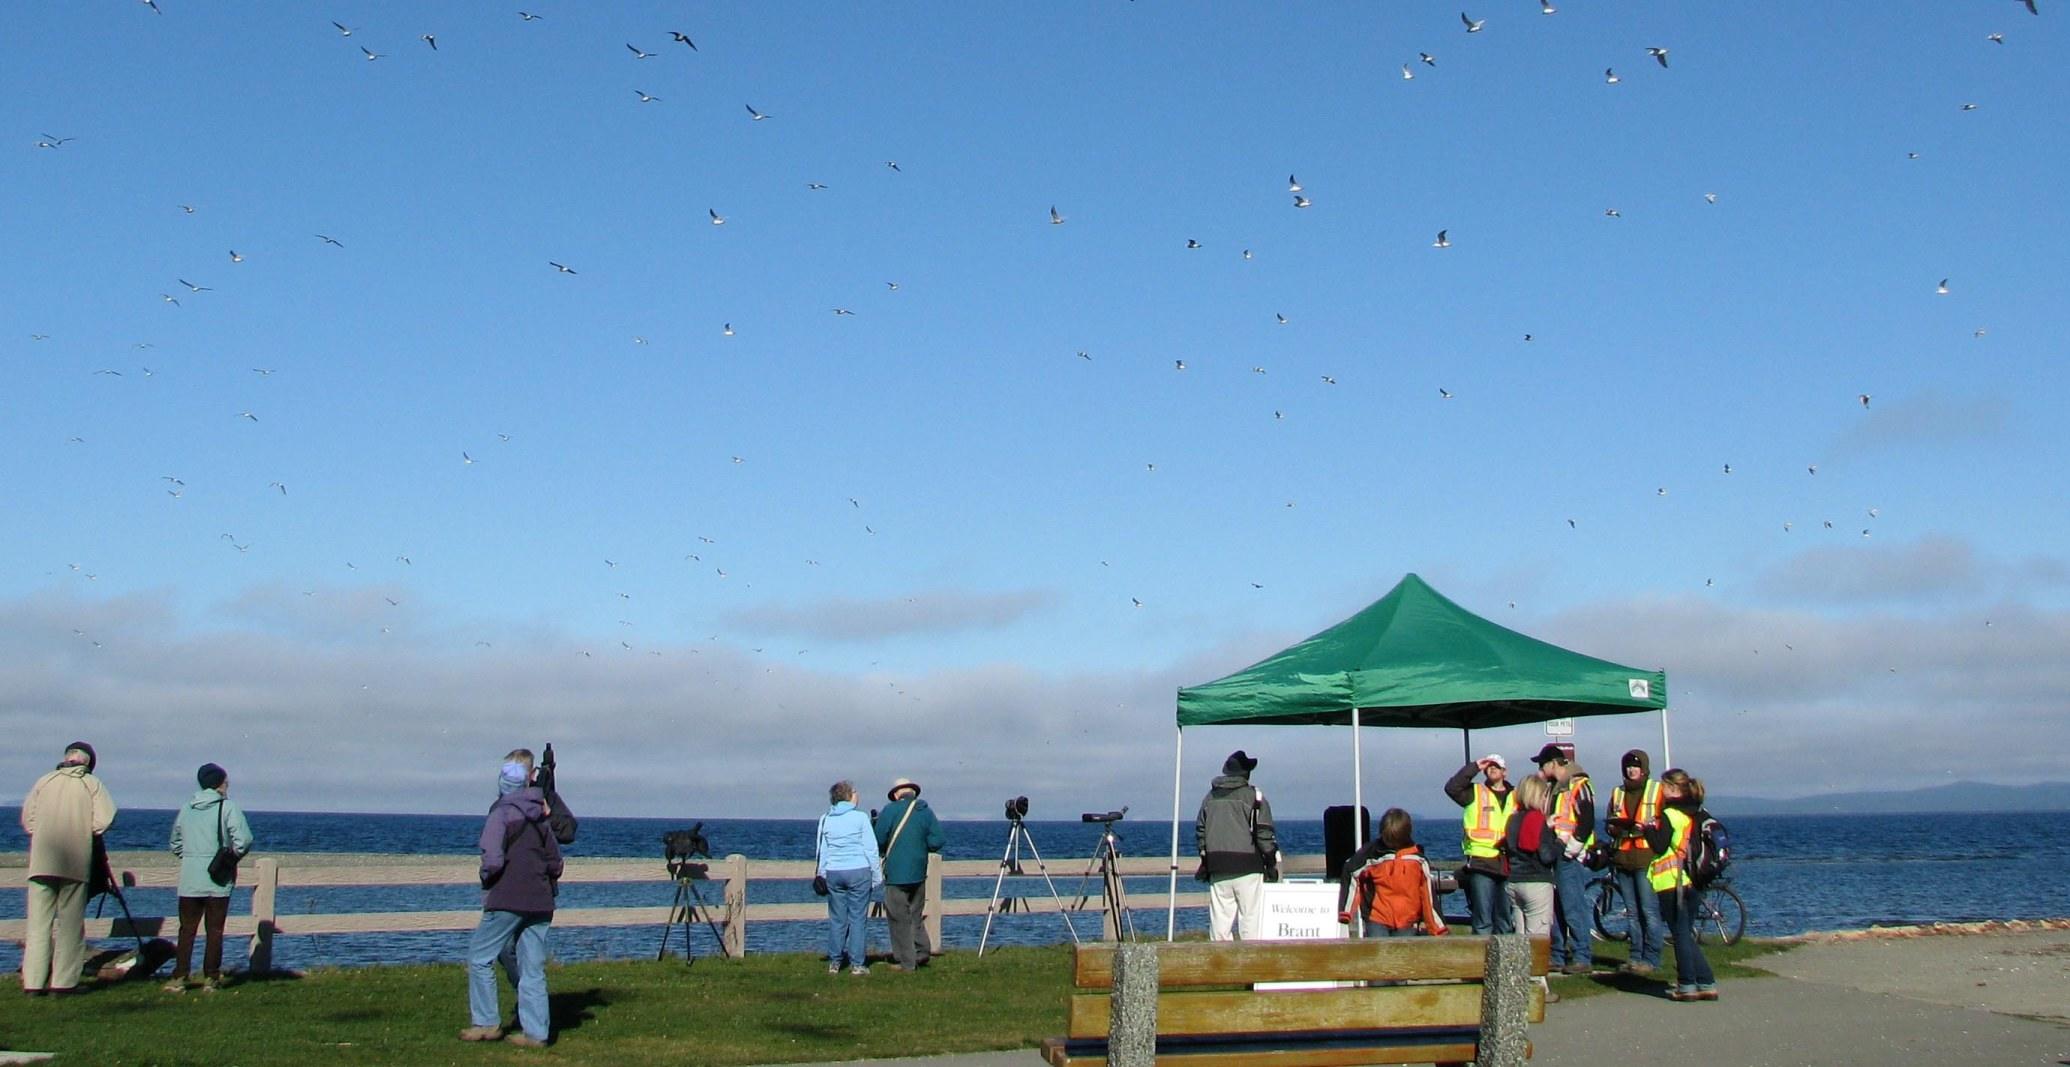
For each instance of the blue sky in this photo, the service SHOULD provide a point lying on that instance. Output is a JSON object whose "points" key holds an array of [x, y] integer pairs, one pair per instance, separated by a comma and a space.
{"points": [[941, 517]]}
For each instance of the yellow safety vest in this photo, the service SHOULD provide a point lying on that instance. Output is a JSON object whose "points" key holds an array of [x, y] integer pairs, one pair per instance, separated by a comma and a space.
{"points": [[1566, 819], [1649, 813], [1487, 819], [1667, 871]]}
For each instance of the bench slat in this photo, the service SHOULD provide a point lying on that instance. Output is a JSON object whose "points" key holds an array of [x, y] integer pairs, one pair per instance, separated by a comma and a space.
{"points": [[1289, 1010], [1221, 963], [1060, 1053]]}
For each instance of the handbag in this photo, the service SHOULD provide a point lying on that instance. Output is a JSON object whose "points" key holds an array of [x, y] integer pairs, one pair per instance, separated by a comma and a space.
{"points": [[819, 884], [819, 881], [222, 869]]}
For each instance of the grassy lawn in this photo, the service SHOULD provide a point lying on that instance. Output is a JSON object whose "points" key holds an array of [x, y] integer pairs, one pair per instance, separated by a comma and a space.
{"points": [[763, 1009], [1727, 963]]}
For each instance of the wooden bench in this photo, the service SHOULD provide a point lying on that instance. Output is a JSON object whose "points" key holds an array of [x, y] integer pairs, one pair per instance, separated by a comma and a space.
{"points": [[1208, 1016]]}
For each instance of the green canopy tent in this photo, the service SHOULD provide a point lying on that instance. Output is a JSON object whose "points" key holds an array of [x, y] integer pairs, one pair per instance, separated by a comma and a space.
{"points": [[1412, 659]]}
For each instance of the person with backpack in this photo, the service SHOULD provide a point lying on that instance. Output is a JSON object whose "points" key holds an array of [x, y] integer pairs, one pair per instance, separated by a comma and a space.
{"points": [[1487, 805], [1573, 820], [520, 872], [1682, 800], [1390, 885], [1239, 850], [1636, 834], [210, 823]]}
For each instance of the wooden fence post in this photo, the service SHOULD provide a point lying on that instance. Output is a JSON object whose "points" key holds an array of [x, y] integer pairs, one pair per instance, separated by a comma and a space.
{"points": [[934, 896], [265, 886], [735, 941]]}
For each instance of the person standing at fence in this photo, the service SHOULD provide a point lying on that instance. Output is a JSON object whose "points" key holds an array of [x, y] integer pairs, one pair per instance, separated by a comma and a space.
{"points": [[849, 868], [1574, 821], [907, 833], [64, 814], [1488, 803], [1239, 850], [1633, 825], [209, 823], [521, 868], [1682, 806]]}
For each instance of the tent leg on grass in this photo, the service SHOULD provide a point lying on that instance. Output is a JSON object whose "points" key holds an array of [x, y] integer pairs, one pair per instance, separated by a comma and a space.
{"points": [[1171, 895]]}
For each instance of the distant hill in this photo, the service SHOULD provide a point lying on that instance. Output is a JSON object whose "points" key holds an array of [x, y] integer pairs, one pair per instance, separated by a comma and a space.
{"points": [[1953, 797]]}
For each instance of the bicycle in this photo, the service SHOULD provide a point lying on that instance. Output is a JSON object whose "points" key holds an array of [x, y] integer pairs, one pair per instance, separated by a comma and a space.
{"points": [[1721, 915]]}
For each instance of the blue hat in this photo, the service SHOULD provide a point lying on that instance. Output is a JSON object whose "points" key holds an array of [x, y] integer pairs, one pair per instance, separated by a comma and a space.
{"points": [[513, 777]]}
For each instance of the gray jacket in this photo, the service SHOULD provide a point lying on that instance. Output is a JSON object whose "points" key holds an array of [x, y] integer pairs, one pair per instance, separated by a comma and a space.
{"points": [[1234, 832]]}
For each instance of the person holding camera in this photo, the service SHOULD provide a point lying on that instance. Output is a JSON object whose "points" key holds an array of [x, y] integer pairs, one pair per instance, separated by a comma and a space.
{"points": [[907, 833], [1239, 850], [64, 813], [1638, 834], [1488, 805], [521, 869], [210, 823], [848, 869]]}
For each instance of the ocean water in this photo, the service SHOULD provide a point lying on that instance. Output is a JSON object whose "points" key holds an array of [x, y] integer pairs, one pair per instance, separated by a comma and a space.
{"points": [[1796, 873]]}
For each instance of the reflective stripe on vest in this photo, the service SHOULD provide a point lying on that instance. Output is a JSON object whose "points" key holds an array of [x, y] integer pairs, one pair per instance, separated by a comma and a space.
{"points": [[1649, 814], [1565, 818], [1486, 819], [1666, 871]]}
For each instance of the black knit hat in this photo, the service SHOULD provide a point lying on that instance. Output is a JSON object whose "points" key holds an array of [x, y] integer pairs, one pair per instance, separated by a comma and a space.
{"points": [[211, 776], [81, 746]]}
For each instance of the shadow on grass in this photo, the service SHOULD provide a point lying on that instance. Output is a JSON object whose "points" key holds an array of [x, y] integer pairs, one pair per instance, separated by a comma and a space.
{"points": [[568, 1011]]}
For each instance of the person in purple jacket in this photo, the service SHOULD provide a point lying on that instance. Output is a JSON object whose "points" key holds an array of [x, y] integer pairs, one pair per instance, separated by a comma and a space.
{"points": [[521, 863]]}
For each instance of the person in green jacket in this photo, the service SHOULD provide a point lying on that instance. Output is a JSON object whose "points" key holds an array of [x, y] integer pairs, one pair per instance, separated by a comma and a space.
{"points": [[209, 821], [907, 832]]}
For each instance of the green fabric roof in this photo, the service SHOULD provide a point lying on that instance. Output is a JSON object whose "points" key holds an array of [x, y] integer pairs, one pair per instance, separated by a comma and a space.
{"points": [[1414, 658]]}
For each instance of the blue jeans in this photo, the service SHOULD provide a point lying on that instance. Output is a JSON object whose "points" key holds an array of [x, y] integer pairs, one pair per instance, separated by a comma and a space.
{"points": [[1692, 969], [1486, 903], [848, 911], [1572, 915], [1649, 934], [498, 933]]}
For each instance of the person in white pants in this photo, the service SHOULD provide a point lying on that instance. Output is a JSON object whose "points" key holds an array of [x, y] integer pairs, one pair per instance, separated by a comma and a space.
{"points": [[62, 813], [1239, 850]]}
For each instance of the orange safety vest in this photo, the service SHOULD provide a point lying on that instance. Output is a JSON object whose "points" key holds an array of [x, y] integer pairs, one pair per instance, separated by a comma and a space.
{"points": [[1565, 817], [1486, 819], [1649, 814]]}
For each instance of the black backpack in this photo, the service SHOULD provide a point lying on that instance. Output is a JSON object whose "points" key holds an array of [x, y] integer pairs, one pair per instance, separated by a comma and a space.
{"points": [[1710, 850]]}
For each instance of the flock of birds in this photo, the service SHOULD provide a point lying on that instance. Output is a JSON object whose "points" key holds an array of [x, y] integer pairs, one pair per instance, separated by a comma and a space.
{"points": [[175, 486]]}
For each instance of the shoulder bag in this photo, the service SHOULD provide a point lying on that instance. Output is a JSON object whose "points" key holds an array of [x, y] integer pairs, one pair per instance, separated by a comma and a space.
{"points": [[819, 844], [222, 869]]}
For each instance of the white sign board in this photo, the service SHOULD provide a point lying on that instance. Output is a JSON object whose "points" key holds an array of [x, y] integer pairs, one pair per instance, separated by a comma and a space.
{"points": [[1559, 727], [1300, 911]]}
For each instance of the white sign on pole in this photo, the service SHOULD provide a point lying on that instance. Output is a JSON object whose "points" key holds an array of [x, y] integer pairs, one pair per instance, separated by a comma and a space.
{"points": [[1559, 727]]}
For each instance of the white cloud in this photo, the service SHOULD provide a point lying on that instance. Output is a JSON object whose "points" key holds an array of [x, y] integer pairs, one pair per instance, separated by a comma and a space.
{"points": [[853, 619]]}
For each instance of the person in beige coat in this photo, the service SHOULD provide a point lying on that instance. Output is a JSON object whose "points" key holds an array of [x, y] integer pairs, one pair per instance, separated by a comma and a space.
{"points": [[64, 811]]}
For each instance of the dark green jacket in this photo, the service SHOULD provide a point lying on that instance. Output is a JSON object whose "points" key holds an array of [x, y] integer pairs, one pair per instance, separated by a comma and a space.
{"points": [[906, 864]]}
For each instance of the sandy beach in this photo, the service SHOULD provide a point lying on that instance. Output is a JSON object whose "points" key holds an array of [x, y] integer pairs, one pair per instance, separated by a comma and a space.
{"points": [[1992, 993]]}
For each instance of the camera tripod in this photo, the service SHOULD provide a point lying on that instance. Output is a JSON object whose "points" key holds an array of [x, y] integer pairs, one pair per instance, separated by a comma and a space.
{"points": [[689, 906], [1010, 863], [1114, 895]]}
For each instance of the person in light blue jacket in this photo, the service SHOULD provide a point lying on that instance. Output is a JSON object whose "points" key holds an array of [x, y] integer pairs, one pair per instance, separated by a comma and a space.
{"points": [[209, 821], [849, 863]]}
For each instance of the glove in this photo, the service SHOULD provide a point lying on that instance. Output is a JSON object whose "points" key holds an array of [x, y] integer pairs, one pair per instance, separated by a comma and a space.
{"points": [[1200, 873], [1272, 873]]}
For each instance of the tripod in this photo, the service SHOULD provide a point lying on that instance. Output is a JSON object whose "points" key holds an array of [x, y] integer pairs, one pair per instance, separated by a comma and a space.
{"points": [[688, 907], [1114, 895], [1010, 862]]}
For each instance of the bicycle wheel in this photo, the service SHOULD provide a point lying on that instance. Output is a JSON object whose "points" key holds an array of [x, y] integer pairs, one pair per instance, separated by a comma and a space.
{"points": [[1613, 912], [1720, 915]]}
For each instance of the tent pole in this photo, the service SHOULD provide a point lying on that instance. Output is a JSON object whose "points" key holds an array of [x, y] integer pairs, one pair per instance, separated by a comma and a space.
{"points": [[1667, 755], [1358, 785], [1171, 896]]}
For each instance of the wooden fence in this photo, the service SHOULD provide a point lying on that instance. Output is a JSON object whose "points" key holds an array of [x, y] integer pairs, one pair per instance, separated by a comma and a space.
{"points": [[732, 912]]}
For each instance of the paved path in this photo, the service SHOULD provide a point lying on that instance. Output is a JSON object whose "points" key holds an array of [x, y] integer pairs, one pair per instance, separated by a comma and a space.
{"points": [[1996, 999]]}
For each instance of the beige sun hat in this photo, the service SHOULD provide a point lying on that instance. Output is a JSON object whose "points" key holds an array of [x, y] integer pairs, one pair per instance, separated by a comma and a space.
{"points": [[901, 783]]}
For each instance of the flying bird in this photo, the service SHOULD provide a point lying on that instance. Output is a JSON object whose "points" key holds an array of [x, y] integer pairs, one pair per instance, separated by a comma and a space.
{"points": [[1293, 184], [193, 287], [1428, 59], [644, 98], [1969, 107], [429, 39], [717, 219], [1442, 240], [1407, 74], [1178, 364], [1473, 25], [247, 415], [370, 53], [1864, 398], [563, 268], [1612, 213], [1660, 56], [1610, 76], [1301, 201], [1327, 380], [1191, 243], [328, 239], [727, 329], [1282, 320], [753, 114], [1996, 38], [1545, 7], [1710, 198], [843, 311], [2031, 9], [343, 30], [893, 164], [169, 298], [814, 185], [466, 460], [234, 257], [527, 16], [637, 54], [1054, 218], [1942, 288], [1444, 394], [680, 36]]}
